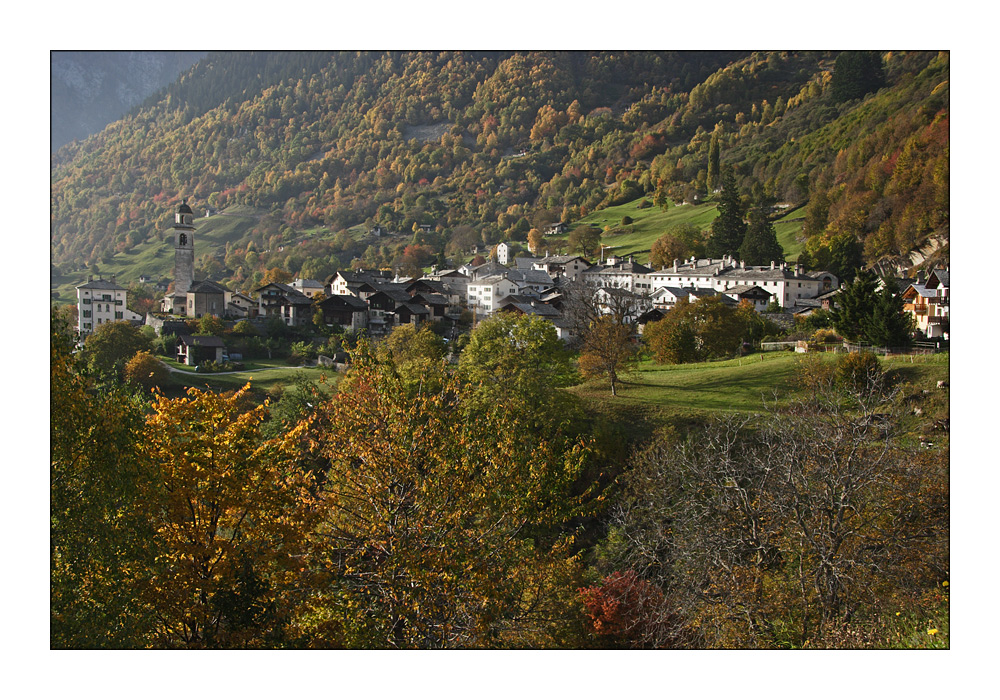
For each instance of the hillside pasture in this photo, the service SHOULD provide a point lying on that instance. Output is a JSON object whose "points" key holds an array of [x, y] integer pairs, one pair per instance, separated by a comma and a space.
{"points": [[156, 258], [650, 223]]}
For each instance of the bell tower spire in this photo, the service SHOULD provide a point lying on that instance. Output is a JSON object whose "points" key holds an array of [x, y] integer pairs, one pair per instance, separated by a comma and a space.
{"points": [[183, 248]]}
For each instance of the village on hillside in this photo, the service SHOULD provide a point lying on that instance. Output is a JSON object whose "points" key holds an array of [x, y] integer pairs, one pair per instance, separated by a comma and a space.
{"points": [[373, 302]]}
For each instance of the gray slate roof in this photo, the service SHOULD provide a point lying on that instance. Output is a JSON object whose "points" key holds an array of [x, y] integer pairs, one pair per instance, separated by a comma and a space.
{"points": [[344, 300], [207, 287], [943, 276], [203, 341], [101, 284]]}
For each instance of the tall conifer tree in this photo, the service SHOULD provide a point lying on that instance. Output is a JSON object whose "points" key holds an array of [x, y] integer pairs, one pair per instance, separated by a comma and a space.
{"points": [[760, 245], [714, 149], [729, 228]]}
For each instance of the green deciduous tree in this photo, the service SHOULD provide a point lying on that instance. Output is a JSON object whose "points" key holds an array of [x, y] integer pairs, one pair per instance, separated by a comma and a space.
{"points": [[673, 339], [704, 329], [519, 361], [111, 345], [209, 324], [416, 355], [585, 240]]}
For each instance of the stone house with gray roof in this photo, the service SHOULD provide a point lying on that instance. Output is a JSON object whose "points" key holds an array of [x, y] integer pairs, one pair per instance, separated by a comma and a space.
{"points": [[102, 301], [344, 310], [207, 298], [285, 302], [568, 266], [195, 349]]}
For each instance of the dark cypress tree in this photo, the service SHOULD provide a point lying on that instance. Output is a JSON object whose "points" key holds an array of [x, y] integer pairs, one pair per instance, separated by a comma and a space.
{"points": [[760, 244], [714, 149], [729, 229]]}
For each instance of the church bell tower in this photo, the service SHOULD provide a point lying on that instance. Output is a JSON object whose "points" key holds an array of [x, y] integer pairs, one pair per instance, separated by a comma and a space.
{"points": [[183, 248]]}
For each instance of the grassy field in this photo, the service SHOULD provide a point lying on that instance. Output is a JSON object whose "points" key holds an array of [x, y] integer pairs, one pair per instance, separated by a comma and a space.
{"points": [[263, 377], [703, 388], [658, 395], [650, 223], [788, 228], [156, 258]]}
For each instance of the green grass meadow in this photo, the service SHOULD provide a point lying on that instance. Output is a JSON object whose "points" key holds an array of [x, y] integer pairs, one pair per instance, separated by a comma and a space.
{"points": [[657, 394], [652, 222], [703, 388], [156, 258], [263, 376]]}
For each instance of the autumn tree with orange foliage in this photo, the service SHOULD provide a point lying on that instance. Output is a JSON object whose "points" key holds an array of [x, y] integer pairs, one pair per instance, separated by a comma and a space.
{"points": [[609, 350], [146, 371], [439, 523], [535, 241], [624, 611]]}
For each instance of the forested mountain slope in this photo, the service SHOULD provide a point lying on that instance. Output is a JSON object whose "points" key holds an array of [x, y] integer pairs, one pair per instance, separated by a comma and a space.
{"points": [[484, 146]]}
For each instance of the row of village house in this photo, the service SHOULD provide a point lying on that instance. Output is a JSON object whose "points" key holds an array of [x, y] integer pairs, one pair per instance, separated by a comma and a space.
{"points": [[376, 300]]}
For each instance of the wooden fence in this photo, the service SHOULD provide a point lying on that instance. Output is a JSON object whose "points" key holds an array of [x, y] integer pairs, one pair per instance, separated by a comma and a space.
{"points": [[925, 348]]}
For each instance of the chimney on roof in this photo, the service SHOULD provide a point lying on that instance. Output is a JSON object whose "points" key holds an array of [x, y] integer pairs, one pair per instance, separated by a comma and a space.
{"points": [[743, 264], [800, 269], [675, 264], [772, 264], [920, 277]]}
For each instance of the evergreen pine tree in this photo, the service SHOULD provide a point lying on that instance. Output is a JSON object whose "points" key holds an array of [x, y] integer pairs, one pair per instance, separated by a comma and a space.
{"points": [[856, 73], [760, 244], [854, 306], [729, 228], [873, 315], [887, 325]]}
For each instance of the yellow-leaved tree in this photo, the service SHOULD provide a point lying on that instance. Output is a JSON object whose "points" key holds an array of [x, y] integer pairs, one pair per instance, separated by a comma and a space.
{"points": [[99, 538], [439, 521], [230, 515]]}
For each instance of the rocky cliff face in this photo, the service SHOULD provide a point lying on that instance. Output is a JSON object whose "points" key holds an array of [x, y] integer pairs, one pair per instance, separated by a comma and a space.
{"points": [[91, 89]]}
